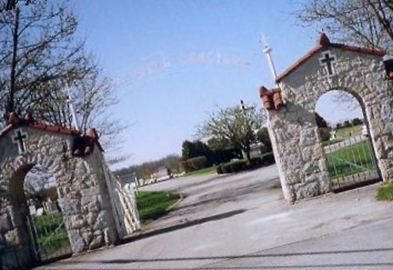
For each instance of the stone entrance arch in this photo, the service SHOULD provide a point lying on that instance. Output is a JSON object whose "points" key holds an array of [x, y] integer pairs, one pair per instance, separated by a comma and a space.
{"points": [[76, 162], [291, 106]]}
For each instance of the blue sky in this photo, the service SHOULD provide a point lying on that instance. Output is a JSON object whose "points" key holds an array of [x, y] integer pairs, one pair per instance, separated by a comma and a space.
{"points": [[173, 61]]}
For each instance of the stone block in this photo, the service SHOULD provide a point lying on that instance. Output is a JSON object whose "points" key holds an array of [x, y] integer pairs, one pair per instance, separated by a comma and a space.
{"points": [[293, 163], [76, 240], [101, 221], [5, 223], [77, 222], [12, 237], [308, 137], [91, 191], [96, 242], [70, 206], [91, 218], [307, 190], [87, 235], [311, 168]]}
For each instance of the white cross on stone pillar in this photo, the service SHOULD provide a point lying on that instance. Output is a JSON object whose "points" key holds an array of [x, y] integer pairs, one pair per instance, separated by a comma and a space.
{"points": [[18, 139]]}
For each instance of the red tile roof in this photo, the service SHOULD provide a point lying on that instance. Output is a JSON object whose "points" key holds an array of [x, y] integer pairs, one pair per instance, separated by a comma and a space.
{"points": [[39, 125], [14, 122], [271, 99], [324, 43]]}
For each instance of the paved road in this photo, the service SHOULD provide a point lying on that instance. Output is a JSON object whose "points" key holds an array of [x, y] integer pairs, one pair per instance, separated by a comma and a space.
{"points": [[241, 221]]}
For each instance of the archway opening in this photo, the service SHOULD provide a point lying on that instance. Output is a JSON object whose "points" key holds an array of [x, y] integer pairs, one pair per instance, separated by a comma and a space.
{"points": [[345, 137], [35, 197]]}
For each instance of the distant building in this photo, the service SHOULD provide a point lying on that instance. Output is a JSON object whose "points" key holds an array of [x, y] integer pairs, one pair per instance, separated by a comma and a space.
{"points": [[256, 150], [127, 178], [162, 173]]}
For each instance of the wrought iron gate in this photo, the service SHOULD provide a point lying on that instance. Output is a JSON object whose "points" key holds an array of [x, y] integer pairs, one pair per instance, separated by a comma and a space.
{"points": [[351, 162], [49, 236]]}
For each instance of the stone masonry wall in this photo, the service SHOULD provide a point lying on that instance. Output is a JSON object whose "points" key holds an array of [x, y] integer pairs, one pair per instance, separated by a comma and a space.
{"points": [[303, 166], [83, 194]]}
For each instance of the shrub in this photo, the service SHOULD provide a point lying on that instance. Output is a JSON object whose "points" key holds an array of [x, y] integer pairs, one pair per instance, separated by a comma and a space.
{"points": [[185, 166], [237, 166], [219, 169], [241, 165], [197, 163], [267, 158], [255, 162], [194, 164], [324, 133], [226, 167], [234, 166]]}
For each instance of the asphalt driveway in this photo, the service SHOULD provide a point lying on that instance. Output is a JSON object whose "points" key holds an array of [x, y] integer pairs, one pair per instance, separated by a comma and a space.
{"points": [[241, 221]]}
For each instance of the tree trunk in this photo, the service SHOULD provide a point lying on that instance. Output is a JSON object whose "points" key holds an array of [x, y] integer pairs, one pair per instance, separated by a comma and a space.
{"points": [[11, 104], [246, 150]]}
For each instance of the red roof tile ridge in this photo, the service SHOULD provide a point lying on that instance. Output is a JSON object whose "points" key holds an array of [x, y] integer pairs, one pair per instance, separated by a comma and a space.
{"points": [[41, 126], [322, 43], [53, 128], [5, 130]]}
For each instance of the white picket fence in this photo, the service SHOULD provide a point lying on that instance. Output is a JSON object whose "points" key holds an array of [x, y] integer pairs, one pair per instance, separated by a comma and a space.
{"points": [[124, 204]]}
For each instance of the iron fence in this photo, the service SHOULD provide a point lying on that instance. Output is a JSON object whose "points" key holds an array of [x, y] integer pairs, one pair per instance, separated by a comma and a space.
{"points": [[50, 236], [351, 162]]}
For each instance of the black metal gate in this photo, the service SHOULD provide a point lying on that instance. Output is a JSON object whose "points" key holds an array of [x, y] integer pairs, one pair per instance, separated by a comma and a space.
{"points": [[49, 236], [351, 162]]}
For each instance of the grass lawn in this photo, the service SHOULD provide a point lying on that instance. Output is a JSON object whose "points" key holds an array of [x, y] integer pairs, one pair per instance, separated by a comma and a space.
{"points": [[345, 132], [211, 169], [152, 205], [351, 159], [51, 235], [385, 192]]}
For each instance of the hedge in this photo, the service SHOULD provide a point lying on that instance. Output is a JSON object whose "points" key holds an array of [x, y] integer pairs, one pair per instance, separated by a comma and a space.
{"points": [[241, 165]]}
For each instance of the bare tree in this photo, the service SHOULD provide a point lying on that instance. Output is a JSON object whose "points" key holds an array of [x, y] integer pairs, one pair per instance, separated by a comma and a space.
{"points": [[368, 23], [235, 125], [94, 96], [365, 22], [40, 58]]}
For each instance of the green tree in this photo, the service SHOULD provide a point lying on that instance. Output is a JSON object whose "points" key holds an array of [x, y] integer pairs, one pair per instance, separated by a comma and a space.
{"points": [[194, 149], [357, 121], [323, 127], [347, 123], [263, 137], [321, 122], [235, 125]]}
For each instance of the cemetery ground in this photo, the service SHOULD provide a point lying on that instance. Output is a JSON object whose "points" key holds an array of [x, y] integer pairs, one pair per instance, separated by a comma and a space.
{"points": [[51, 235], [241, 221]]}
